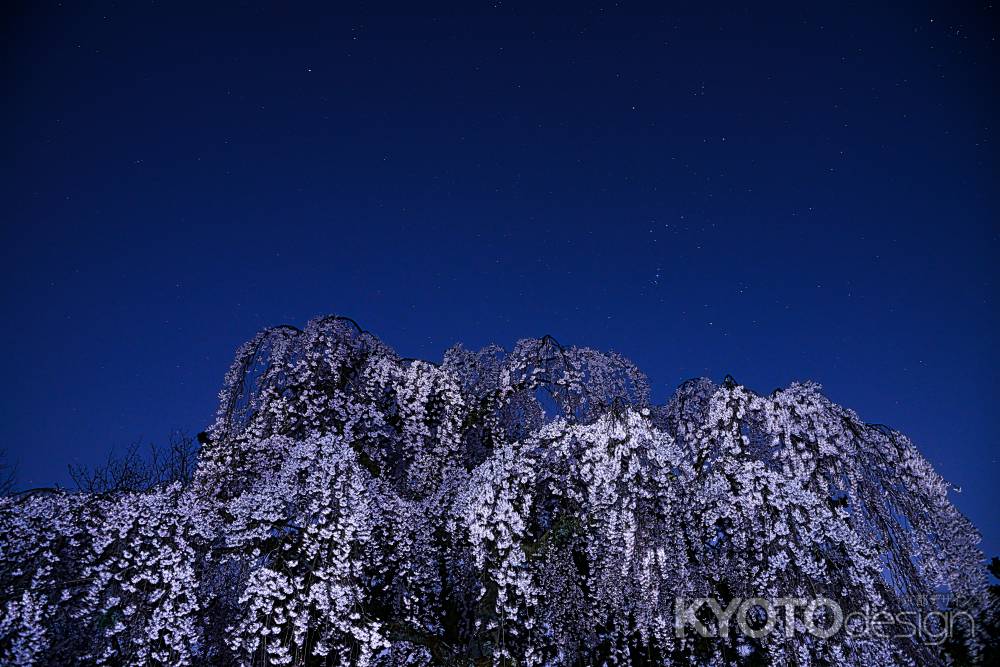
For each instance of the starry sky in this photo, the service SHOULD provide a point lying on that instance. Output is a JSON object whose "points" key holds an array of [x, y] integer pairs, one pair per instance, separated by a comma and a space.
{"points": [[778, 191]]}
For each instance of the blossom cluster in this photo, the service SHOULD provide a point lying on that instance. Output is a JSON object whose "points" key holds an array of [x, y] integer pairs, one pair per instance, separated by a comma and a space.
{"points": [[351, 507]]}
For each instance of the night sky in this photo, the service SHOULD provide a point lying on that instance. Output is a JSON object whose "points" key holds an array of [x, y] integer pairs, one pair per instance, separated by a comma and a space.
{"points": [[796, 191]]}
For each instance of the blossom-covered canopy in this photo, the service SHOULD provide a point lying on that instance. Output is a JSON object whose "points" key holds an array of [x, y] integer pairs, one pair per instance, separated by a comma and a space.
{"points": [[530, 507]]}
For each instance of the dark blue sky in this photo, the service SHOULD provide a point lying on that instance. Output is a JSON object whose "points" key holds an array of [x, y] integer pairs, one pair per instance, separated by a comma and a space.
{"points": [[782, 192]]}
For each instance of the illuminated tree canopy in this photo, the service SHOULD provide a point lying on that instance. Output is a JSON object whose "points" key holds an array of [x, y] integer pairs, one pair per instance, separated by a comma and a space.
{"points": [[530, 507]]}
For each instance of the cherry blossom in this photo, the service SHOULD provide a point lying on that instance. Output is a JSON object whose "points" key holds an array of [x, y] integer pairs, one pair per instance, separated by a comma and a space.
{"points": [[351, 507]]}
